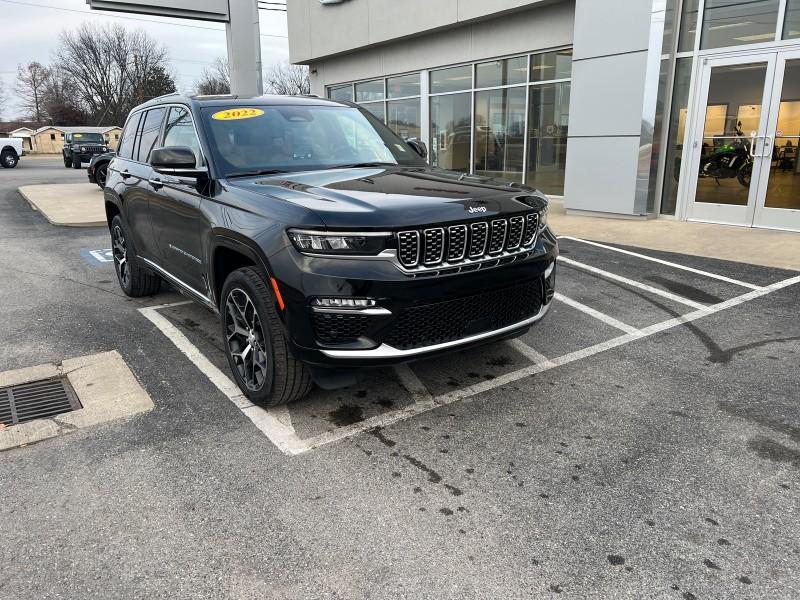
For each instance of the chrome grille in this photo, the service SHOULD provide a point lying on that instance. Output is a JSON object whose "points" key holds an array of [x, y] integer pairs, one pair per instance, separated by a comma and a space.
{"points": [[434, 246], [457, 242], [498, 240], [437, 248], [478, 238], [408, 248]]}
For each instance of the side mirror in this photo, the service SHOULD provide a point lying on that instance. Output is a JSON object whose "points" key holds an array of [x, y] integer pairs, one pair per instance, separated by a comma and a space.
{"points": [[418, 146], [176, 160]]}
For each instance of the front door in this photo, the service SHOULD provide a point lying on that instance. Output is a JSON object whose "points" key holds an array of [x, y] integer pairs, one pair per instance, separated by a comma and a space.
{"points": [[743, 167]]}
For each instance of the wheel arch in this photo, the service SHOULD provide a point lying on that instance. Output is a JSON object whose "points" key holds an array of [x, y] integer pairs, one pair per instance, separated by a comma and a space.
{"points": [[230, 251]]}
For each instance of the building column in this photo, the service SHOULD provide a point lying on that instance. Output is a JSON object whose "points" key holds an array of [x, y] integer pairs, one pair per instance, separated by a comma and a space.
{"points": [[243, 34], [615, 73]]}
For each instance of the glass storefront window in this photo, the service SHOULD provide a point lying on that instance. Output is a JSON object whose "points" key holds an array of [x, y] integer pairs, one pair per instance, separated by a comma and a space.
{"points": [[551, 65], [738, 22], [377, 109], [508, 71], [450, 132], [451, 80], [405, 85], [404, 117], [791, 27], [341, 92], [688, 29], [369, 90], [677, 129], [548, 123], [500, 133]]}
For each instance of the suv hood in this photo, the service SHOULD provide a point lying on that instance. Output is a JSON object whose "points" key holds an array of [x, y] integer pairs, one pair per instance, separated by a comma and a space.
{"points": [[391, 197]]}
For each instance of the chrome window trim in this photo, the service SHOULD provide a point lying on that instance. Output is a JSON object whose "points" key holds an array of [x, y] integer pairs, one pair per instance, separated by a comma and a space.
{"points": [[386, 351]]}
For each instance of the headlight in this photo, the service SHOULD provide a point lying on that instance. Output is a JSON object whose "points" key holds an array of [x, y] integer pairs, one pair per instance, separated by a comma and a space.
{"points": [[83, 148], [543, 215], [358, 244]]}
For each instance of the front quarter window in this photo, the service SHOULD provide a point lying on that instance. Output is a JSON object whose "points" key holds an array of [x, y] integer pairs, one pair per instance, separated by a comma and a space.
{"points": [[300, 138]]}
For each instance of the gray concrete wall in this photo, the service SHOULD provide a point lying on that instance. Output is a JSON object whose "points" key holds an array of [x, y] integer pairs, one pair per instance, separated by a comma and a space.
{"points": [[537, 28], [318, 31], [612, 97]]}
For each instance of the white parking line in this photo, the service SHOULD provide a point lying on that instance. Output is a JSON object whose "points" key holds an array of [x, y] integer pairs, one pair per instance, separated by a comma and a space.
{"points": [[630, 282], [528, 352], [276, 423], [665, 262], [608, 320]]}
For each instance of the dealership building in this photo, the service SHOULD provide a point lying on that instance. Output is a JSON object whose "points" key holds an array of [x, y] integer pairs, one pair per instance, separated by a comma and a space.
{"points": [[680, 109]]}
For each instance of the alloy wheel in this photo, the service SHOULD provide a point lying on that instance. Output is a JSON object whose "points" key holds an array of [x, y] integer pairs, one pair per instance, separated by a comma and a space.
{"points": [[246, 341], [101, 175], [120, 252]]}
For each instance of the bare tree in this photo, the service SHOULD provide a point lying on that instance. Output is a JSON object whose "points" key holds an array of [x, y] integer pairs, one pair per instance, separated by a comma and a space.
{"points": [[3, 98], [288, 80], [30, 89], [113, 69], [61, 99], [215, 79]]}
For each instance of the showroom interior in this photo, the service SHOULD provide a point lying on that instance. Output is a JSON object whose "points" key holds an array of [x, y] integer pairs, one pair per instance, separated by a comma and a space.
{"points": [[691, 110]]}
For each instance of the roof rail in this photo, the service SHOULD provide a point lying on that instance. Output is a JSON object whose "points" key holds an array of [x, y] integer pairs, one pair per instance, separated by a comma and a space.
{"points": [[165, 96], [210, 96]]}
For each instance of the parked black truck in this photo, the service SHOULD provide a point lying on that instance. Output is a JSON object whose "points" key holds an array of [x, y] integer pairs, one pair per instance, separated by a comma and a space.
{"points": [[322, 240]]}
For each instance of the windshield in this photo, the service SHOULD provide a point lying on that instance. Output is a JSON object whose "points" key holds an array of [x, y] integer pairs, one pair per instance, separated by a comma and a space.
{"points": [[248, 140], [82, 138]]}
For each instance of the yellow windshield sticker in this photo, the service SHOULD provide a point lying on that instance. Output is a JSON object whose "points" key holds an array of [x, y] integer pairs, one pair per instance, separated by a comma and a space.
{"points": [[233, 114], [78, 135]]}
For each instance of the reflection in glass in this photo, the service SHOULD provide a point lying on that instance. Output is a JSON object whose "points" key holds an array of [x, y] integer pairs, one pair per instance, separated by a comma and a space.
{"points": [[551, 65], [376, 108], [405, 85], [737, 22], [450, 131], [547, 137], [404, 117], [369, 90], [783, 190], [451, 80], [501, 72], [500, 133], [733, 111], [341, 92], [791, 27], [688, 29], [677, 129]]}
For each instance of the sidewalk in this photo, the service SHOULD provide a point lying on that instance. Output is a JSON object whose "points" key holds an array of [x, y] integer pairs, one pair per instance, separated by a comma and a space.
{"points": [[69, 205], [765, 247]]}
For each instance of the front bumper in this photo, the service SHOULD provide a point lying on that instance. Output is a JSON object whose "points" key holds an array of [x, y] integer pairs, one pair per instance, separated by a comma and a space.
{"points": [[413, 317]]}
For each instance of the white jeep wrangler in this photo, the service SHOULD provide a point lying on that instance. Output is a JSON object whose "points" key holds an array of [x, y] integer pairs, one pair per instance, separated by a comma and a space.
{"points": [[10, 151]]}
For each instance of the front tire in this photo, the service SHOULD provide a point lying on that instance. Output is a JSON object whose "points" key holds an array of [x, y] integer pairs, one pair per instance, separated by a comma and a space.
{"points": [[76, 162], [67, 162], [9, 159], [133, 279], [255, 344]]}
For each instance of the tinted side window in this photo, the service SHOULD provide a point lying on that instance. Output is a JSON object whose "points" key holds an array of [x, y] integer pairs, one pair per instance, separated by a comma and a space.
{"points": [[126, 145], [179, 131], [150, 130]]}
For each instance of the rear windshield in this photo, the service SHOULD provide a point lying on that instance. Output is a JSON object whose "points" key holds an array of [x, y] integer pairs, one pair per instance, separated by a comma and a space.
{"points": [[300, 138], [88, 137]]}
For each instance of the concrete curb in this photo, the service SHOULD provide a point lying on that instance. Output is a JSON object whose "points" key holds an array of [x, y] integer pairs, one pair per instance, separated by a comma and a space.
{"points": [[105, 386], [83, 211]]}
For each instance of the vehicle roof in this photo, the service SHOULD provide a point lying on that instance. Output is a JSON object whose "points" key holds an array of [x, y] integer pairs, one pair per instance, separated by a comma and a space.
{"points": [[233, 100]]}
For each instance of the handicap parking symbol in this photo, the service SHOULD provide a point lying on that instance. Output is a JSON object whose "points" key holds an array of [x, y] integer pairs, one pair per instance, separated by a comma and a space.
{"points": [[95, 257]]}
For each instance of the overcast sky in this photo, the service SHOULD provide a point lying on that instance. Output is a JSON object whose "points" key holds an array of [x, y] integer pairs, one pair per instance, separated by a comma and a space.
{"points": [[29, 31]]}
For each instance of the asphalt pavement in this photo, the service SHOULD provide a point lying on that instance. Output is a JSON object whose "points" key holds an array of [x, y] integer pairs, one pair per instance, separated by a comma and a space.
{"points": [[650, 449]]}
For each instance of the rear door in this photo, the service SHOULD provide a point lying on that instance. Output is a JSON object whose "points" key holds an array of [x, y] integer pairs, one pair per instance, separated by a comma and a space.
{"points": [[178, 222]]}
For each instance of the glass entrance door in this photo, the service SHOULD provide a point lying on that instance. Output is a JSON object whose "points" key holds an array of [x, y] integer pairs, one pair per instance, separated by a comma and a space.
{"points": [[778, 202], [729, 137]]}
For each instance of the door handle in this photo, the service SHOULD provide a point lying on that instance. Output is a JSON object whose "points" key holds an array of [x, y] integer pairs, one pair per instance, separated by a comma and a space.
{"points": [[767, 147], [156, 183]]}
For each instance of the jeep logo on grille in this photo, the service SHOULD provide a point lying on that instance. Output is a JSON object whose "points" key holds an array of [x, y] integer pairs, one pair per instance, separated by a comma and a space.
{"points": [[477, 209]]}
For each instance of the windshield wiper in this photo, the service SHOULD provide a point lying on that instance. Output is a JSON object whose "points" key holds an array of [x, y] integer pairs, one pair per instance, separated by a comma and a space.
{"points": [[365, 164], [258, 172]]}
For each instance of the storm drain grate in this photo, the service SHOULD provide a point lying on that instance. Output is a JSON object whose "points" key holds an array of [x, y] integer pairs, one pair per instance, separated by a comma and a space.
{"points": [[36, 400]]}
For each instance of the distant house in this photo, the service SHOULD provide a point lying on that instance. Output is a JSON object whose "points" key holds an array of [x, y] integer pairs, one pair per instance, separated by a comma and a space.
{"points": [[50, 139]]}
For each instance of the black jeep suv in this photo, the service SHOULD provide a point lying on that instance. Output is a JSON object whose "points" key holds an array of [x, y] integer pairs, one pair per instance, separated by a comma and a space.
{"points": [[81, 147], [322, 240]]}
